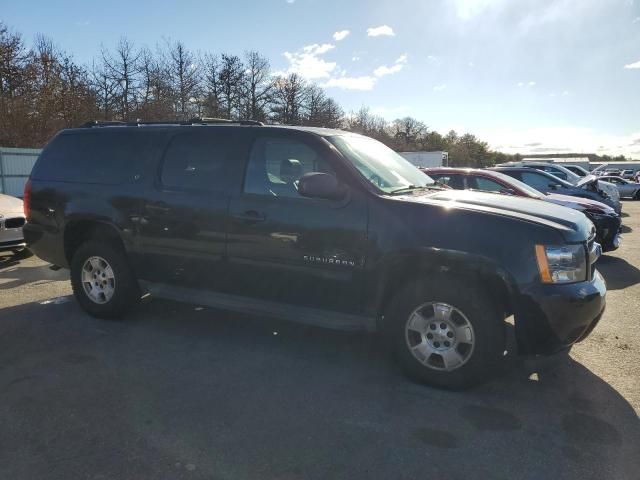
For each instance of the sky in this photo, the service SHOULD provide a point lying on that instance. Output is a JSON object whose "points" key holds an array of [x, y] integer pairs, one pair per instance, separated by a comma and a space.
{"points": [[528, 76]]}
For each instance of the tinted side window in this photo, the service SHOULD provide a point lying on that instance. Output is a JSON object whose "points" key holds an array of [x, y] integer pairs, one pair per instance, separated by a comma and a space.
{"points": [[276, 165], [537, 181], [107, 157], [484, 184], [454, 180], [201, 161], [556, 172]]}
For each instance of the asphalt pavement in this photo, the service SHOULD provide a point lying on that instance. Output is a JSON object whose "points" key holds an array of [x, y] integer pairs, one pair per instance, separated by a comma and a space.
{"points": [[182, 392]]}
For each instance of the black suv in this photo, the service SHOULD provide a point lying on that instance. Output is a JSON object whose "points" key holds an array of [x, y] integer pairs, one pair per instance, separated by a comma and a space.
{"points": [[317, 226]]}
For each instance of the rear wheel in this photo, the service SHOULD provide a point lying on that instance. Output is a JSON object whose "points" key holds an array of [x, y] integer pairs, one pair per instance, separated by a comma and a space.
{"points": [[447, 333], [102, 280]]}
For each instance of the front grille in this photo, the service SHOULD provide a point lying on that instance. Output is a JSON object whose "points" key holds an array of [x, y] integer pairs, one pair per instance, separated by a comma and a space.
{"points": [[14, 222]]}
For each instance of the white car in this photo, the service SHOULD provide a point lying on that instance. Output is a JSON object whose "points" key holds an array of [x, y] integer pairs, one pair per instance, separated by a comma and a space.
{"points": [[12, 220], [627, 188]]}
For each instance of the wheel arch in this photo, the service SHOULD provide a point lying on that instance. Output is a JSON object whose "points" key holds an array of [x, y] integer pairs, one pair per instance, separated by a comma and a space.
{"points": [[78, 231], [467, 269]]}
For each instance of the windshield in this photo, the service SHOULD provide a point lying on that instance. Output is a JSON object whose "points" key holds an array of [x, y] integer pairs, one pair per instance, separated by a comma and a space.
{"points": [[380, 165]]}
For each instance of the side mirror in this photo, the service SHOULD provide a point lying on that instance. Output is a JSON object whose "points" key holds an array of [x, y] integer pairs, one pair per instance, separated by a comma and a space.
{"points": [[320, 185]]}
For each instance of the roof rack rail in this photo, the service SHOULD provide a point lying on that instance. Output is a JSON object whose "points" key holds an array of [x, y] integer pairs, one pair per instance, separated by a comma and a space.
{"points": [[193, 121], [223, 120], [99, 123]]}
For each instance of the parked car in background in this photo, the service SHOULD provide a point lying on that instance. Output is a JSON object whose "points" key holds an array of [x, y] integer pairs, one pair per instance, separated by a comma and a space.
{"points": [[567, 175], [627, 188], [318, 226], [577, 169], [12, 220], [544, 182], [605, 219], [628, 174]]}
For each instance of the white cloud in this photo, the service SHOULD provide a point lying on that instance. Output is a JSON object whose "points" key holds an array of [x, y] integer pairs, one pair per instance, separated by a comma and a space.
{"points": [[308, 63], [395, 68], [365, 82], [561, 139], [355, 59], [636, 20], [527, 84], [633, 65], [382, 30], [439, 88], [531, 84], [290, 1], [341, 35], [317, 49]]}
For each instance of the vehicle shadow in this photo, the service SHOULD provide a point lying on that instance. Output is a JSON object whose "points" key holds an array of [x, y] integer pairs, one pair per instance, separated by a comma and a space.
{"points": [[177, 389], [617, 272], [625, 229], [15, 273]]}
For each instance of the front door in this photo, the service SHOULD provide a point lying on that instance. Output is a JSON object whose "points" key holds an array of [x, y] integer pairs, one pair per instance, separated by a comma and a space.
{"points": [[287, 248]]}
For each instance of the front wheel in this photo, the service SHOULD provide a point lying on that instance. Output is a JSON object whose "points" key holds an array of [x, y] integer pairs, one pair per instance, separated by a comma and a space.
{"points": [[447, 333], [102, 280]]}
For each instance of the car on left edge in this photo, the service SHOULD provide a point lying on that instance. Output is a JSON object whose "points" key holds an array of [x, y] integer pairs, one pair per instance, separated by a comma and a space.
{"points": [[12, 220]]}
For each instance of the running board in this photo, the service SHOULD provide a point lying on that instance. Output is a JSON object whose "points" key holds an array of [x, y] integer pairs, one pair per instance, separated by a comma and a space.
{"points": [[294, 313]]}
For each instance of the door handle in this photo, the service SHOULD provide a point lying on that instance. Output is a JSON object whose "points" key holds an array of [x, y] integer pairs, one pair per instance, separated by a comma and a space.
{"points": [[251, 216], [159, 207]]}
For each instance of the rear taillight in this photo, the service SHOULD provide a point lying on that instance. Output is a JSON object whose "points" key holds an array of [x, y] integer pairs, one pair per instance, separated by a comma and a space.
{"points": [[26, 199]]}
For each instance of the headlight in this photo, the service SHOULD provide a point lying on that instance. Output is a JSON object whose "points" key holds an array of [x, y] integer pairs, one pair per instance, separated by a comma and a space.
{"points": [[565, 264]]}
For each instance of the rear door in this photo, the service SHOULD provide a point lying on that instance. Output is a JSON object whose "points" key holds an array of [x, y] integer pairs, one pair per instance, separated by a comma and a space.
{"points": [[183, 223], [286, 248]]}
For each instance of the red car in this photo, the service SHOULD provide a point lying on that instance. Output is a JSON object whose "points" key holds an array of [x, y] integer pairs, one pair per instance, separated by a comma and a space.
{"points": [[605, 219]]}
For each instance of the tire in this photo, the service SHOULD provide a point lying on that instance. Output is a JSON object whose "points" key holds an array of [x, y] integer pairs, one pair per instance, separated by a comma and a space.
{"points": [[120, 290], [637, 195], [474, 353]]}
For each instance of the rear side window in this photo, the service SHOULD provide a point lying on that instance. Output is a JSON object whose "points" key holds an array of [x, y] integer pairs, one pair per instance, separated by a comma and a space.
{"points": [[107, 157], [202, 161]]}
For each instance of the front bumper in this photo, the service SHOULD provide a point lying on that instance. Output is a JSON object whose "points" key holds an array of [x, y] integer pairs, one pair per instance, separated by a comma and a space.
{"points": [[11, 236], [551, 318], [607, 230]]}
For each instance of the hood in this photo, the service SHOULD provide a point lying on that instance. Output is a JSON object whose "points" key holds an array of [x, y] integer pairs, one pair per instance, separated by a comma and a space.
{"points": [[578, 203], [587, 180], [609, 188], [10, 205], [522, 208]]}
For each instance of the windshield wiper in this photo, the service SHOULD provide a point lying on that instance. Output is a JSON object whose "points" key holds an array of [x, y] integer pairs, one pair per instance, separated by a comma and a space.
{"points": [[412, 188]]}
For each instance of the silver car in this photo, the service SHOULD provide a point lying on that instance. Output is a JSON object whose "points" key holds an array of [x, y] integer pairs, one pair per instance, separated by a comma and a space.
{"points": [[11, 222], [626, 188]]}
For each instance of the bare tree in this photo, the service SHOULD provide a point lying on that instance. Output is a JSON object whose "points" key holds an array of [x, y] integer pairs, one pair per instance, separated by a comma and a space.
{"points": [[156, 95], [407, 132], [257, 87], [320, 110], [184, 77], [123, 68], [230, 77], [211, 86], [289, 96], [105, 89]]}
